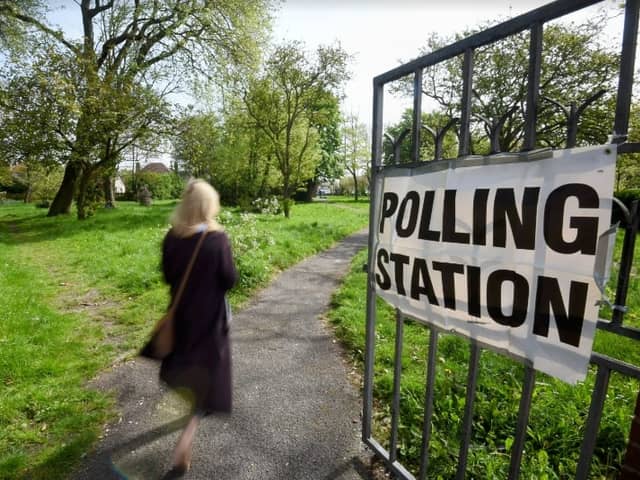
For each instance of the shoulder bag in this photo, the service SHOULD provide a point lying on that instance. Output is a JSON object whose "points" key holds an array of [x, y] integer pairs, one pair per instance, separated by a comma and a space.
{"points": [[162, 336]]}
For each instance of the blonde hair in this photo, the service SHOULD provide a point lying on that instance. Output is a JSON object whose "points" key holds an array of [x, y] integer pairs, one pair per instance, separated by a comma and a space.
{"points": [[198, 209]]}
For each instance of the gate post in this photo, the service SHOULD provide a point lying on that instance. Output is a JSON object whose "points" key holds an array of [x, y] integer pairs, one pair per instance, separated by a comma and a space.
{"points": [[631, 465]]}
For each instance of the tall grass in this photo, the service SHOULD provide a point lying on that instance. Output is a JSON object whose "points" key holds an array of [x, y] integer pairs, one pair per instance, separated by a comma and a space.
{"points": [[558, 414], [75, 296]]}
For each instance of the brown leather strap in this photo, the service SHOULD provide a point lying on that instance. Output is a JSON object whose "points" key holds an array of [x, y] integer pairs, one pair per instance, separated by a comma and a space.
{"points": [[185, 277]]}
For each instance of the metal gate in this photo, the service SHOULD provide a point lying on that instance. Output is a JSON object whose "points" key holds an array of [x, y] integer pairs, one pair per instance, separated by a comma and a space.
{"points": [[533, 22]]}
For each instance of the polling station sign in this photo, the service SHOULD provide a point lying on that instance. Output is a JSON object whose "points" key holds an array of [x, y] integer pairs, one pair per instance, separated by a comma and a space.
{"points": [[501, 249]]}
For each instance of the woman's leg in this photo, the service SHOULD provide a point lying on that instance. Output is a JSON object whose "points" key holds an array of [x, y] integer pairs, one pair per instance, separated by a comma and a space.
{"points": [[182, 452]]}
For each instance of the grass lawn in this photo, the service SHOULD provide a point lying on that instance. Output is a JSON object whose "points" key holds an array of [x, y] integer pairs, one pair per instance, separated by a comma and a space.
{"points": [[558, 412], [76, 296]]}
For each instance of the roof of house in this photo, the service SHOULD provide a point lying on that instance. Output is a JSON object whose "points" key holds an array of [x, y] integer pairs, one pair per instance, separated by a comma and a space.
{"points": [[155, 167]]}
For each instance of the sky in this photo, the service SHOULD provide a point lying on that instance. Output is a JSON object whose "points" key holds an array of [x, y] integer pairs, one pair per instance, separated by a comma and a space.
{"points": [[379, 34]]}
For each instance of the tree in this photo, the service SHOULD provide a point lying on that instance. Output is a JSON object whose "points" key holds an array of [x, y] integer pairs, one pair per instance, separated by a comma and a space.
{"points": [[37, 110], [283, 102], [354, 149], [228, 152], [12, 37], [247, 169], [134, 51], [327, 121], [577, 70], [196, 144]]}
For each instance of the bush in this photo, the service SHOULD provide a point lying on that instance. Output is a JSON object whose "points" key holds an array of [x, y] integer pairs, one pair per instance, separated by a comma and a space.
{"points": [[45, 184], [267, 206], [248, 243], [33, 183], [162, 186]]}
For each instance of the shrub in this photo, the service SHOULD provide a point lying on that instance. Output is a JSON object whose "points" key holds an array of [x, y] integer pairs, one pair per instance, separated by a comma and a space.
{"points": [[45, 185], [162, 186], [267, 206], [248, 243], [33, 183]]}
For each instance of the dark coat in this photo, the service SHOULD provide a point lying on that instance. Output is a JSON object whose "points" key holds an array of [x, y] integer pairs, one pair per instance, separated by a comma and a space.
{"points": [[201, 358]]}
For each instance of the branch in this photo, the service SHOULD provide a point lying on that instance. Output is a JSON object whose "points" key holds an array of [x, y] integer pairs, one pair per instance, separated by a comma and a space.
{"points": [[302, 152], [152, 40], [590, 100], [557, 104], [257, 121], [127, 36], [98, 9], [10, 11], [166, 54]]}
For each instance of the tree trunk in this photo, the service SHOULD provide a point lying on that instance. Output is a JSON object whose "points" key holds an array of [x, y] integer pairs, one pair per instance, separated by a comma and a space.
{"points": [[312, 188], [109, 194], [355, 187], [286, 205], [262, 191], [27, 194], [64, 198], [83, 187], [286, 198]]}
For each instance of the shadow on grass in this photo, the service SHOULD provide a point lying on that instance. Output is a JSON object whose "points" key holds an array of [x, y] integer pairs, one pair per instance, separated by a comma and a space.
{"points": [[61, 464], [19, 226]]}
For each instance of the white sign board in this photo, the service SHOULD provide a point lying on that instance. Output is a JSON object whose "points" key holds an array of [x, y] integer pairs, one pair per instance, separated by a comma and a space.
{"points": [[501, 252]]}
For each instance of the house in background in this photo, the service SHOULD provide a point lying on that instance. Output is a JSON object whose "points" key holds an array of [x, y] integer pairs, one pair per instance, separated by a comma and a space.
{"points": [[118, 186], [155, 167]]}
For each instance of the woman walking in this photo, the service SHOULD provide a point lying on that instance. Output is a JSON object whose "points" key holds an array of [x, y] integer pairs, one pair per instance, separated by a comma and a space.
{"points": [[200, 362]]}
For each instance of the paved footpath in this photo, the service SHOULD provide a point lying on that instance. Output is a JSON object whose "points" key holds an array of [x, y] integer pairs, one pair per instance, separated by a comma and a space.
{"points": [[296, 413]]}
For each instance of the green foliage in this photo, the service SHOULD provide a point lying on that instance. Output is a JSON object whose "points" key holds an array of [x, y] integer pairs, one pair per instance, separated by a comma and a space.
{"points": [[328, 126], [558, 414], [5, 175], [44, 183], [163, 186], [347, 186], [354, 151], [267, 206], [229, 152], [285, 103], [628, 164], [628, 172], [196, 144], [33, 182], [38, 106]]}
